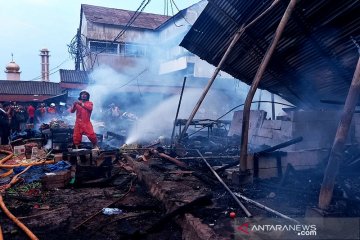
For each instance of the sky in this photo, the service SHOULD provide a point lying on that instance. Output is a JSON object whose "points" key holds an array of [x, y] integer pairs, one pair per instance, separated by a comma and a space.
{"points": [[27, 26]]}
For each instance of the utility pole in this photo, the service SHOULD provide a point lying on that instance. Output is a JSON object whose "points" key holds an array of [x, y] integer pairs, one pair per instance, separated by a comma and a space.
{"points": [[78, 50]]}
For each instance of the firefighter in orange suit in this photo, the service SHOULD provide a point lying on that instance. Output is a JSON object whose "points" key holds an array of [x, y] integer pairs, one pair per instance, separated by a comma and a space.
{"points": [[83, 126]]}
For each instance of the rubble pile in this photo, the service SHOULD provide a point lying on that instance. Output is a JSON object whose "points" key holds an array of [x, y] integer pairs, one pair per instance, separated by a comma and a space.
{"points": [[160, 189]]}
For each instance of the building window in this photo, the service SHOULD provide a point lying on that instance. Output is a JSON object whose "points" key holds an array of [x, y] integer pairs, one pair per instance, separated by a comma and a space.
{"points": [[103, 47], [134, 50], [122, 49]]}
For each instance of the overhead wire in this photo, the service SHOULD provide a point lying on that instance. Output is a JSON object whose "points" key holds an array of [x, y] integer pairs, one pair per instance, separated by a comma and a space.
{"points": [[77, 47], [182, 15], [138, 85], [232, 109], [134, 78], [138, 11], [172, 11], [51, 73], [166, 7]]}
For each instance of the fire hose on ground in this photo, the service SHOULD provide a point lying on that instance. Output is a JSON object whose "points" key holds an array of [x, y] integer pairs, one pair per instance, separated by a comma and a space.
{"points": [[13, 181], [10, 155]]}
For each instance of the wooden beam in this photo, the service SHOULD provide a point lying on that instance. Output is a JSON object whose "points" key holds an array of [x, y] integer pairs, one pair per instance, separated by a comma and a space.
{"points": [[211, 80], [337, 149], [236, 37], [255, 84]]}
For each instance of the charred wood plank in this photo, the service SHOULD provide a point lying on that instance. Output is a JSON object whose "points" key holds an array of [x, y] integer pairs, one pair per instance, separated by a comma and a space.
{"points": [[281, 145], [198, 202], [173, 160], [223, 168]]}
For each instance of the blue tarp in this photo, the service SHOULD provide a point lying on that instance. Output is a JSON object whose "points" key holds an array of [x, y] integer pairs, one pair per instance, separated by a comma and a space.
{"points": [[36, 172]]}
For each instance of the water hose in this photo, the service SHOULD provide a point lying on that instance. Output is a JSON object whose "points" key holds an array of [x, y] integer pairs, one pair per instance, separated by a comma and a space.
{"points": [[27, 231], [16, 221], [5, 174], [10, 155], [27, 164]]}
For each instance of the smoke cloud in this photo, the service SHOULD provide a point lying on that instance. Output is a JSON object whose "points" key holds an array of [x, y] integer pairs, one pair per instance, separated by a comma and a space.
{"points": [[159, 120], [141, 90]]}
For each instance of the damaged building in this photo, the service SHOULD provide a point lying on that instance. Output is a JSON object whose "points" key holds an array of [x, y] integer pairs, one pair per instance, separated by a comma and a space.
{"points": [[145, 62], [201, 165]]}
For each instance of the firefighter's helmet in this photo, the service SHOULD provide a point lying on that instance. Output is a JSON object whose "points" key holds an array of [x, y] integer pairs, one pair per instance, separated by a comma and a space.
{"points": [[86, 92]]}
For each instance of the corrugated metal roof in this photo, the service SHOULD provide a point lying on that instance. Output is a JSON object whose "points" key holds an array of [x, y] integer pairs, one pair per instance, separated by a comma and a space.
{"points": [[121, 17], [8, 87], [314, 60], [74, 76]]}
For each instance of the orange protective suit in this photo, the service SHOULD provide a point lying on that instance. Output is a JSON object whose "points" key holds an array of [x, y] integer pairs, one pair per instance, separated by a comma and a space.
{"points": [[83, 125]]}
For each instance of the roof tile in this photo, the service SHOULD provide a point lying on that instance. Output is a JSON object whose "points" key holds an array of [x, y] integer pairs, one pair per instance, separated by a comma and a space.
{"points": [[8, 87], [121, 17], [74, 76]]}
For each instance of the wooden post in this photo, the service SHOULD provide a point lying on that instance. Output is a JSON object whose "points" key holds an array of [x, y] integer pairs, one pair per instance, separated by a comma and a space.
{"points": [[232, 44], [272, 107], [336, 153], [255, 83], [211, 81], [177, 111], [258, 108]]}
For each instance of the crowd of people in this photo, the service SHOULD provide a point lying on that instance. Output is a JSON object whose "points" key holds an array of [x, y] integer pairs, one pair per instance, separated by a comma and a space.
{"points": [[14, 117]]}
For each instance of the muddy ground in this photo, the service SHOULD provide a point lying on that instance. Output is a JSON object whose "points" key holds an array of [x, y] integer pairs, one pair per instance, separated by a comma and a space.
{"points": [[62, 213], [74, 212]]}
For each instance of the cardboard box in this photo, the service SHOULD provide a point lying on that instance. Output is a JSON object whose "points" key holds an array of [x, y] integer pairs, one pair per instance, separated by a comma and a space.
{"points": [[56, 180], [19, 150]]}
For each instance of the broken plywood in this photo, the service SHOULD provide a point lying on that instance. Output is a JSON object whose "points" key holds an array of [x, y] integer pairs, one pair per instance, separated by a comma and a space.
{"points": [[255, 122]]}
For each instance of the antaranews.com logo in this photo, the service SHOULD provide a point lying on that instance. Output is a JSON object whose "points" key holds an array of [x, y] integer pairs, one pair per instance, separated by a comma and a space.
{"points": [[309, 228], [297, 229]]}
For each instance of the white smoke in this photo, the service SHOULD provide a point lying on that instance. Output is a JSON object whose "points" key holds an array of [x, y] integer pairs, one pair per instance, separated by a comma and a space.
{"points": [[105, 81], [157, 108], [160, 119]]}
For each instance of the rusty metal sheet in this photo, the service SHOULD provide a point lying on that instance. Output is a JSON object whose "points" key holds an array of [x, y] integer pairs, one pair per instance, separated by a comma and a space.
{"points": [[315, 58]]}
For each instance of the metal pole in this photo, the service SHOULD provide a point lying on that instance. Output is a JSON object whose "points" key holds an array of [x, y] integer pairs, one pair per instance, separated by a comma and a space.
{"points": [[177, 111], [259, 102], [272, 107], [256, 81], [211, 81], [261, 206], [336, 153], [248, 214], [78, 50]]}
